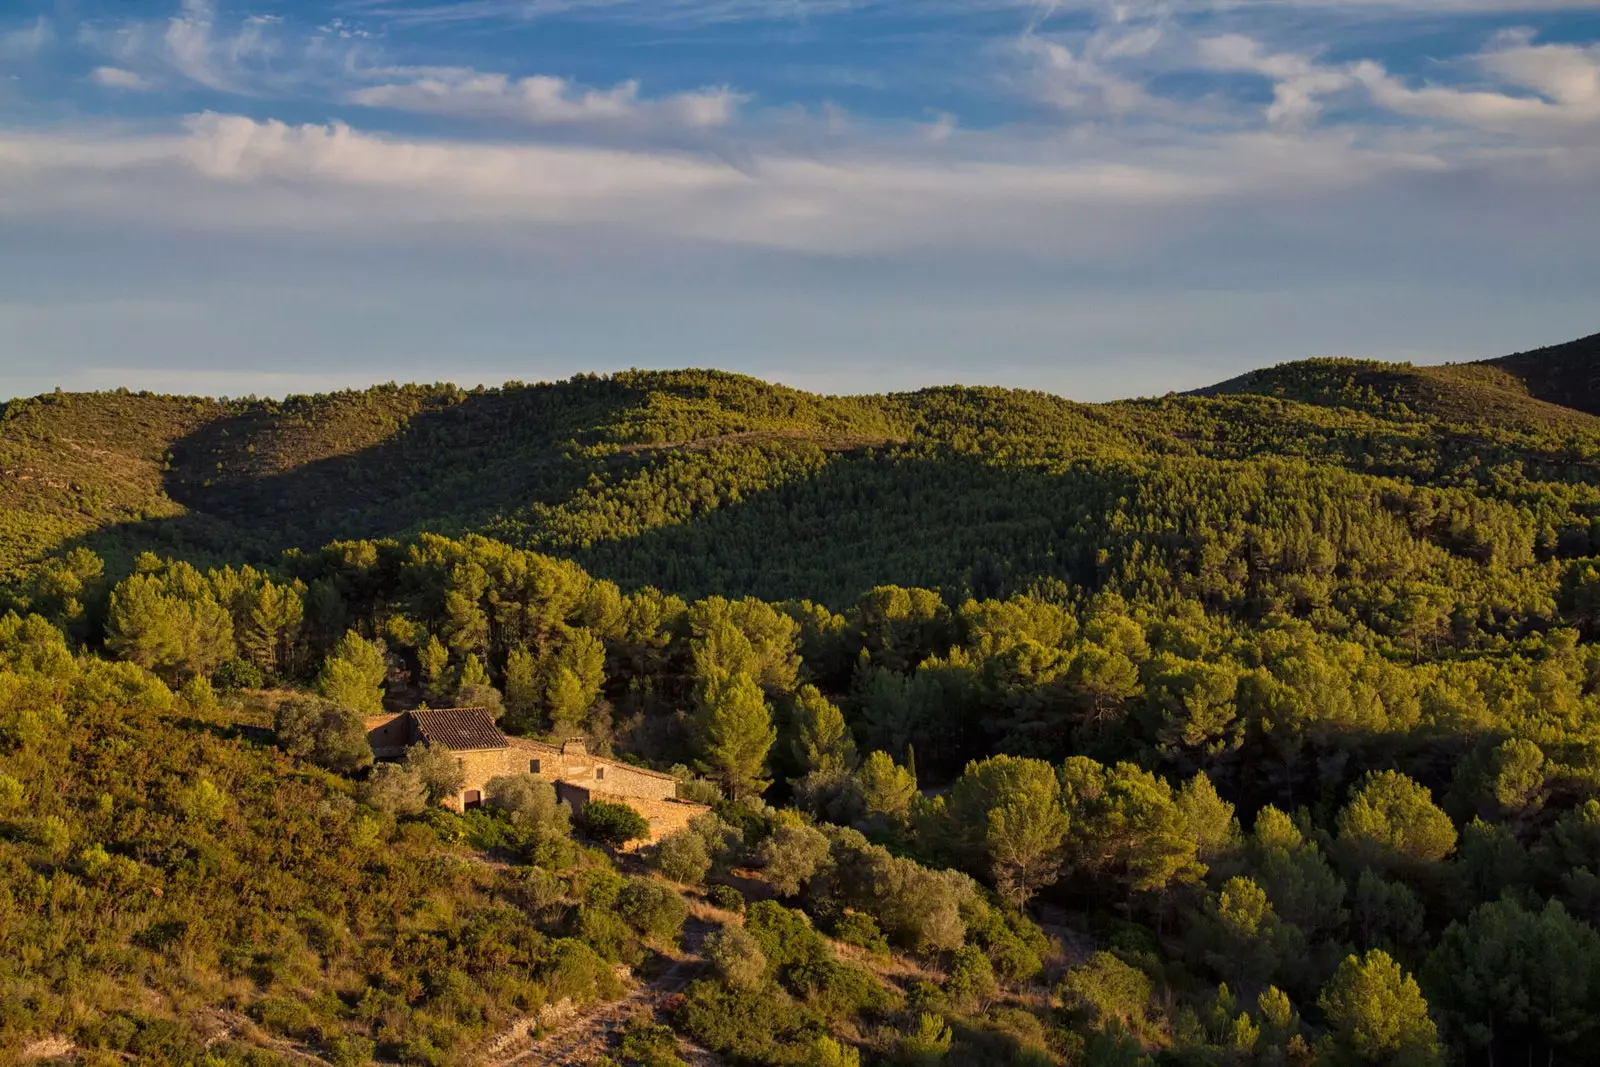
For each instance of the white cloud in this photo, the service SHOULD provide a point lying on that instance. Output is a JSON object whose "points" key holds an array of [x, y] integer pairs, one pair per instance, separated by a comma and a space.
{"points": [[1542, 88], [117, 78], [1091, 198], [546, 100]]}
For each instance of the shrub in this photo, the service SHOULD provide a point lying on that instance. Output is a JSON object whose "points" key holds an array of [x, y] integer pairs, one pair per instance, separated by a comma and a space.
{"points": [[530, 803], [653, 909], [927, 1042], [726, 897], [572, 969], [597, 886], [52, 834], [237, 674], [394, 790], [613, 824], [737, 956], [971, 981], [1105, 988], [350, 1051], [682, 857], [785, 935], [438, 771], [198, 695], [724, 842], [791, 856], [736, 1022], [11, 794], [700, 791], [608, 934], [646, 1043], [840, 990], [861, 930], [332, 737]]}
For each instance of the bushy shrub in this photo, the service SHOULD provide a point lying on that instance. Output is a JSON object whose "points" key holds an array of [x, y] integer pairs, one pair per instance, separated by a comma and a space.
{"points": [[927, 1042], [737, 956], [439, 772], [609, 934], [197, 694], [726, 897], [613, 824], [11, 794], [236, 674], [700, 791], [971, 981], [855, 928], [573, 969], [723, 841], [653, 909], [785, 935], [332, 737], [596, 886], [682, 857], [790, 856], [743, 1024], [530, 803], [394, 790], [646, 1043]]}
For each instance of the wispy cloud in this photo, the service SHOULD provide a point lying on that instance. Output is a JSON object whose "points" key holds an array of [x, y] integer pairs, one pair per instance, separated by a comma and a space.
{"points": [[235, 172], [1533, 89], [27, 40], [546, 100], [117, 78]]}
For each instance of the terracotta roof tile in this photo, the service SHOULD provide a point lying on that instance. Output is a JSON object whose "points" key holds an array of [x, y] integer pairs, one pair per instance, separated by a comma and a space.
{"points": [[460, 729]]}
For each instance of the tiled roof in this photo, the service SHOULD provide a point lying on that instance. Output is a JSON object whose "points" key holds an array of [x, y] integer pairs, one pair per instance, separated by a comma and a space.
{"points": [[458, 728]]}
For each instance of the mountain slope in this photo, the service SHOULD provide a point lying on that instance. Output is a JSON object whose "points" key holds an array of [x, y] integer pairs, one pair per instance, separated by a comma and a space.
{"points": [[1467, 394], [1566, 374], [699, 481]]}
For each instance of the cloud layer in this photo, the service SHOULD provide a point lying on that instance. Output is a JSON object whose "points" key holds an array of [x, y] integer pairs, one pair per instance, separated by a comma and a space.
{"points": [[1161, 170]]}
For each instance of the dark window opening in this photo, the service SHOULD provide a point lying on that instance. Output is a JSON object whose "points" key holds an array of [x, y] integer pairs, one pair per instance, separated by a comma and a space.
{"points": [[599, 772], [472, 798], [533, 766]]}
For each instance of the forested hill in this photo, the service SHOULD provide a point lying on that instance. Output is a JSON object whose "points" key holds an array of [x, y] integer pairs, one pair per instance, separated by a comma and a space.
{"points": [[1247, 729], [698, 481]]}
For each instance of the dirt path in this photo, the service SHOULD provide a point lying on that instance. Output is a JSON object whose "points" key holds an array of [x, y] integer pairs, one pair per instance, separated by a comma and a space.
{"points": [[587, 1037]]}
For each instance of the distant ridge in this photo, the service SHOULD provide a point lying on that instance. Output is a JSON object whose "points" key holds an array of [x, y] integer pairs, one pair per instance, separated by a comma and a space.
{"points": [[1566, 374], [1542, 389]]}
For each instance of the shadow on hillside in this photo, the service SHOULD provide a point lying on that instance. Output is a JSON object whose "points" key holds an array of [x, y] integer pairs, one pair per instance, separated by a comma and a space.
{"points": [[444, 469], [955, 523], [867, 518]]}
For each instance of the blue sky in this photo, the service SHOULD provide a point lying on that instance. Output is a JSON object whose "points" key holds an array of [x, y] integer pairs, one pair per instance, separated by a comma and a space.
{"points": [[1100, 199]]}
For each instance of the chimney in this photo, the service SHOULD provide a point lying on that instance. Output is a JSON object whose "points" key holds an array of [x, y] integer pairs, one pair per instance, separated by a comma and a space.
{"points": [[577, 746]]}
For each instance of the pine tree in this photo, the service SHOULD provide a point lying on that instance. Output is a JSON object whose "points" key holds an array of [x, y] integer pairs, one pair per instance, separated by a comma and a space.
{"points": [[1376, 1014], [733, 732], [822, 742]]}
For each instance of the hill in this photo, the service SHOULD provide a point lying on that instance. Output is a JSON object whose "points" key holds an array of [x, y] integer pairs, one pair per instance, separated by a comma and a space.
{"points": [[1253, 727], [1484, 394], [702, 482], [1566, 374]]}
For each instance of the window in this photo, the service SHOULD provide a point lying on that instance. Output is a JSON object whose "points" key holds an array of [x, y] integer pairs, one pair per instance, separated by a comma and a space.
{"points": [[600, 772], [533, 766], [472, 798]]}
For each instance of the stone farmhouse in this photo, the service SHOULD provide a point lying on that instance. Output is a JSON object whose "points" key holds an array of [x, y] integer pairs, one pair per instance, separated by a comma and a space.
{"points": [[483, 752]]}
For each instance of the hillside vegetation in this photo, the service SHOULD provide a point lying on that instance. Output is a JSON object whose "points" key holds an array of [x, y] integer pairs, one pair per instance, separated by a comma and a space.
{"points": [[1259, 727]]}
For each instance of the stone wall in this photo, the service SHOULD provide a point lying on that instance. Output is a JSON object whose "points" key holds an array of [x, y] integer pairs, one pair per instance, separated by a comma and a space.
{"points": [[388, 735], [480, 765]]}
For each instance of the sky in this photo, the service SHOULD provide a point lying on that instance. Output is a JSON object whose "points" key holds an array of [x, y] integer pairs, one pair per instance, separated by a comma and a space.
{"points": [[1098, 198]]}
